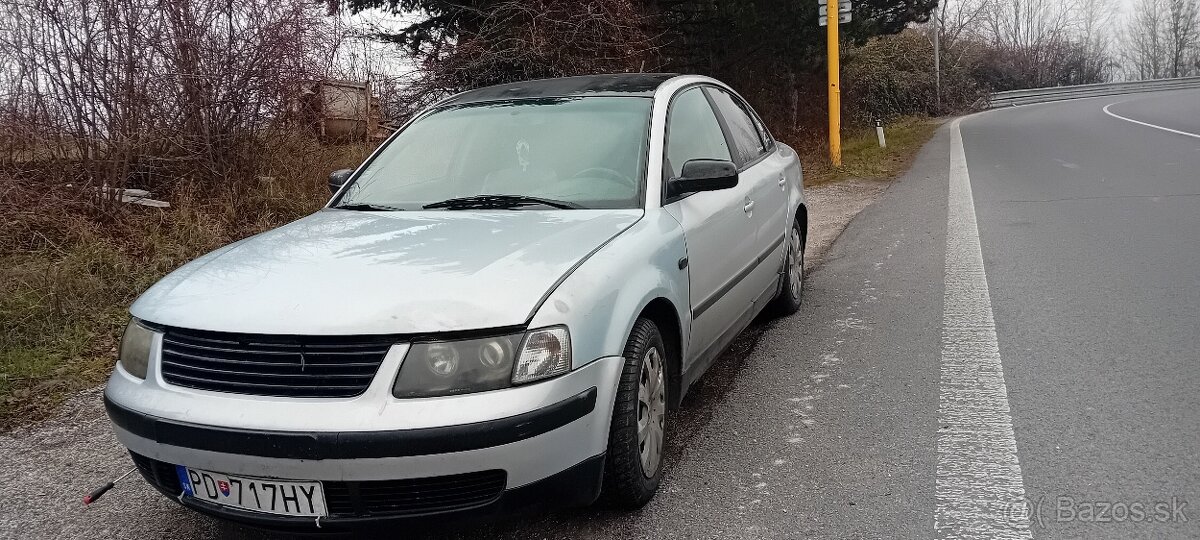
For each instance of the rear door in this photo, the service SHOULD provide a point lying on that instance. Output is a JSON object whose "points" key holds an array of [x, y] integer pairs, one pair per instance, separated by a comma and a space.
{"points": [[718, 229], [763, 173]]}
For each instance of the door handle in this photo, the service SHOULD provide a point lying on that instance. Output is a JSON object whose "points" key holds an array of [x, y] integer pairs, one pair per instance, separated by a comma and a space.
{"points": [[782, 181], [749, 206]]}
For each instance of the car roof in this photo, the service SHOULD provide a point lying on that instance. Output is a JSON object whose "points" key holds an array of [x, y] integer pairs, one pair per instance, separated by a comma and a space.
{"points": [[621, 84]]}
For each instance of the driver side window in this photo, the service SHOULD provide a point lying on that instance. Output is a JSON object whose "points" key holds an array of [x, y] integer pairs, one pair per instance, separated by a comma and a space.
{"points": [[692, 133]]}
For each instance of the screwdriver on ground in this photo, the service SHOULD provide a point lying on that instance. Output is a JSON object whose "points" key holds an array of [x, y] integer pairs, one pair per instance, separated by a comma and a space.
{"points": [[100, 491]]}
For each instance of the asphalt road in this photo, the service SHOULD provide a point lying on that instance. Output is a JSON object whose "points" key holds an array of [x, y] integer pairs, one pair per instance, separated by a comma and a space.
{"points": [[1090, 227], [936, 373]]}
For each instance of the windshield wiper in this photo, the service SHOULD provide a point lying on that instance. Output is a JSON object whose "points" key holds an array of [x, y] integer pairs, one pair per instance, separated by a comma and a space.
{"points": [[368, 207], [499, 201]]}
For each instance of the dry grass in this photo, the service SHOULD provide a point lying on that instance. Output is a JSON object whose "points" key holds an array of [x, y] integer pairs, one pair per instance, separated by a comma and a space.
{"points": [[69, 268], [863, 158]]}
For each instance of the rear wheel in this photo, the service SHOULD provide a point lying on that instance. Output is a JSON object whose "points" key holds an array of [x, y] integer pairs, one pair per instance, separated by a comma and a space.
{"points": [[633, 467], [792, 294]]}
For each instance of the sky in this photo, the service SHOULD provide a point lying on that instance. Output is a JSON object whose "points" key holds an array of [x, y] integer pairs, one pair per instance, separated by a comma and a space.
{"points": [[1126, 7]]}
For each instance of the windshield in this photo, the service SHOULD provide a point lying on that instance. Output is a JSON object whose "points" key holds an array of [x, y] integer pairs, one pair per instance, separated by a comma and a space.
{"points": [[581, 152]]}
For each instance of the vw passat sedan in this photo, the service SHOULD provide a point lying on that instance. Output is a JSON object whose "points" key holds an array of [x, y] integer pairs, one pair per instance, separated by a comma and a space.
{"points": [[498, 309]]}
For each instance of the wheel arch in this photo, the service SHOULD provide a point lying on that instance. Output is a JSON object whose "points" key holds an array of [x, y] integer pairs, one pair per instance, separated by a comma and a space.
{"points": [[639, 271], [802, 219], [664, 315]]}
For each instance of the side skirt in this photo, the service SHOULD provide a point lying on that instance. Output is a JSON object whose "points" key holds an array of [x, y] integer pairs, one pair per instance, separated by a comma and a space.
{"points": [[706, 359]]}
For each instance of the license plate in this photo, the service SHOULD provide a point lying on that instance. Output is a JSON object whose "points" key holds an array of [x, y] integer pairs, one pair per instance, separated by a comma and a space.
{"points": [[255, 494]]}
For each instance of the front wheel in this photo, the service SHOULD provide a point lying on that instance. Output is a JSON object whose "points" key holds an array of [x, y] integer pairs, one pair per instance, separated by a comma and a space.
{"points": [[633, 467], [792, 294]]}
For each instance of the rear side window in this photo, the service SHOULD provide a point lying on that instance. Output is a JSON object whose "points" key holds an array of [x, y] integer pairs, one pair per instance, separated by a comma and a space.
{"points": [[762, 131], [692, 133], [742, 127]]}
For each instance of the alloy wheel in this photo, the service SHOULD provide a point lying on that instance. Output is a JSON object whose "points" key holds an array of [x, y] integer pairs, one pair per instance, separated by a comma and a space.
{"points": [[796, 263], [652, 407]]}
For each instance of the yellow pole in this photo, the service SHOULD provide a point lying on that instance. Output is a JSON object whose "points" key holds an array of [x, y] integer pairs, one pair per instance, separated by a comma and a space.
{"points": [[835, 96]]}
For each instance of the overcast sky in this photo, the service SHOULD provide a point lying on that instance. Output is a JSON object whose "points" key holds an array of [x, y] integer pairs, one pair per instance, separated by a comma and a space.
{"points": [[1126, 6]]}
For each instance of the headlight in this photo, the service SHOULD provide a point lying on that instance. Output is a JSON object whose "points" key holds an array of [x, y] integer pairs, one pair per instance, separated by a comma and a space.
{"points": [[445, 368], [135, 349]]}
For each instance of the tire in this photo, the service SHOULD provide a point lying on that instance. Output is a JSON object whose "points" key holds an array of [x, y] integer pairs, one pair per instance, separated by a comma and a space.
{"points": [[791, 295], [631, 476]]}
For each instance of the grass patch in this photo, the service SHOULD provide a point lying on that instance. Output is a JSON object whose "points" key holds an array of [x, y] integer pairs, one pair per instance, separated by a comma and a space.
{"points": [[69, 268], [863, 158]]}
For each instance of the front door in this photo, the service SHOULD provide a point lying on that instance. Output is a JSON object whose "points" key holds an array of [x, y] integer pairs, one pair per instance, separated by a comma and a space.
{"points": [[762, 170], [718, 225]]}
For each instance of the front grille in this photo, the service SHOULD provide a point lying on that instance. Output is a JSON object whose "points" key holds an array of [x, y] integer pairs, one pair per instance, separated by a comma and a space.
{"points": [[380, 498], [293, 366]]}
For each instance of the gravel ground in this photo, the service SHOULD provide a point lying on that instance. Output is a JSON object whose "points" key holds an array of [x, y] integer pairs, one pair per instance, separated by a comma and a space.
{"points": [[832, 206], [47, 468]]}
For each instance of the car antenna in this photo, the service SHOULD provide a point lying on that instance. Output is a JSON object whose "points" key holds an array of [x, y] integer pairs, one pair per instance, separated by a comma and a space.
{"points": [[100, 491]]}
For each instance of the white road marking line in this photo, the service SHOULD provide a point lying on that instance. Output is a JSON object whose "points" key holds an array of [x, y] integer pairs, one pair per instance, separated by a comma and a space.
{"points": [[980, 492], [1147, 124]]}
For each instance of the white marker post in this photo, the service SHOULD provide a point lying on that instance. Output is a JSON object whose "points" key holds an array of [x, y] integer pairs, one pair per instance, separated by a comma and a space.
{"points": [[879, 133]]}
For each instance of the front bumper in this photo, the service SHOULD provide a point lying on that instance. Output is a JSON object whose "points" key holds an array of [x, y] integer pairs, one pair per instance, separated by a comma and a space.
{"points": [[341, 445], [577, 486], [546, 437]]}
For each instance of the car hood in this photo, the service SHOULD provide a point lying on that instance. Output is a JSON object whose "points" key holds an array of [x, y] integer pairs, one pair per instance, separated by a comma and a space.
{"points": [[340, 272]]}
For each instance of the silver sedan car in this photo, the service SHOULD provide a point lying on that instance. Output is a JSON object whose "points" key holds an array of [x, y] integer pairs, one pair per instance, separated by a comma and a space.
{"points": [[497, 311]]}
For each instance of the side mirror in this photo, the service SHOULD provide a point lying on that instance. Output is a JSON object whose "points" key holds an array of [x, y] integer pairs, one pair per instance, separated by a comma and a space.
{"points": [[338, 178], [703, 175]]}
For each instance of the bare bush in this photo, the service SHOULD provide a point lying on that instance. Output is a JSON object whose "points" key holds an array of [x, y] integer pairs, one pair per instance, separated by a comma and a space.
{"points": [[894, 76], [194, 99], [143, 93]]}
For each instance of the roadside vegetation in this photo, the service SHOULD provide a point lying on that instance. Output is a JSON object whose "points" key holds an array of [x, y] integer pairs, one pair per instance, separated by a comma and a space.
{"points": [[70, 268], [197, 102], [862, 157]]}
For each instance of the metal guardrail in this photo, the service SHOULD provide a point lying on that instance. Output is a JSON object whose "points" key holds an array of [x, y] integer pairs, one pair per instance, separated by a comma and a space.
{"points": [[1058, 93]]}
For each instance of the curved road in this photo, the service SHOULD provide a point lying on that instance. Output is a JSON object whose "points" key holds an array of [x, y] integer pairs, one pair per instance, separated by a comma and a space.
{"points": [[1090, 227], [1005, 345]]}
